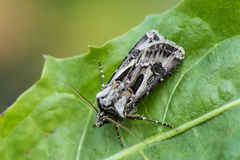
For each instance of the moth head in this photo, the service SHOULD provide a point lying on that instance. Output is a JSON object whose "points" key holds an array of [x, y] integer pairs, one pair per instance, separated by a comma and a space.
{"points": [[101, 119]]}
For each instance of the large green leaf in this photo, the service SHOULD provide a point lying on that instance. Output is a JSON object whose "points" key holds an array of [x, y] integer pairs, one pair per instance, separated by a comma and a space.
{"points": [[49, 121]]}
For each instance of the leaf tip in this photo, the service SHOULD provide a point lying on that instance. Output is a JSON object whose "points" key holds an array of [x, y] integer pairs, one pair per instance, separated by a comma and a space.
{"points": [[91, 47]]}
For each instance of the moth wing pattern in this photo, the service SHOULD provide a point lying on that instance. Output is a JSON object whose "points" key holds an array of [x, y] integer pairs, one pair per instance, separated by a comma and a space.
{"points": [[148, 63]]}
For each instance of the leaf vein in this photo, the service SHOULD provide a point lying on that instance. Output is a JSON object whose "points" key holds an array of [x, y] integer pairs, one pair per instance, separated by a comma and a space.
{"points": [[198, 141], [83, 134], [142, 153]]}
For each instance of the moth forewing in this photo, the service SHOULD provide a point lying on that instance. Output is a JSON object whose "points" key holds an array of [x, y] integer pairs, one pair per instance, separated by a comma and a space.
{"points": [[148, 63]]}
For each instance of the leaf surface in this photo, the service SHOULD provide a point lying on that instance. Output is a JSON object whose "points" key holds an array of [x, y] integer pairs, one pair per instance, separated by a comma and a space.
{"points": [[201, 101]]}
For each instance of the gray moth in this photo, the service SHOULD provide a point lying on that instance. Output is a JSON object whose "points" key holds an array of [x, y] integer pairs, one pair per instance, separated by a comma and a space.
{"points": [[148, 63]]}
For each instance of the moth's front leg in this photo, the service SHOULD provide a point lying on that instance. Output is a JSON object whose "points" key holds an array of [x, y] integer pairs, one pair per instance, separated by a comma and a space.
{"points": [[117, 130], [173, 72], [101, 70], [138, 117]]}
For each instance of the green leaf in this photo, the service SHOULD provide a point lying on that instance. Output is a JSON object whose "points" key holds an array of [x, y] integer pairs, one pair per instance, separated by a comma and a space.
{"points": [[201, 101]]}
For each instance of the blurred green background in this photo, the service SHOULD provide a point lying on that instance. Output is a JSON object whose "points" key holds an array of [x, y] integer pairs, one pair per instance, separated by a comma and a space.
{"points": [[29, 29]]}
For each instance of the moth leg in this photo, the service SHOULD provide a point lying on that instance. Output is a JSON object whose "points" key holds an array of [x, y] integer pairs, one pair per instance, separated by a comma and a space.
{"points": [[117, 130], [138, 117], [101, 70], [173, 72]]}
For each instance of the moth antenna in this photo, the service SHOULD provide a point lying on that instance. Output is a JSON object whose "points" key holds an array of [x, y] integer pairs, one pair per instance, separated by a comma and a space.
{"points": [[111, 120], [79, 94]]}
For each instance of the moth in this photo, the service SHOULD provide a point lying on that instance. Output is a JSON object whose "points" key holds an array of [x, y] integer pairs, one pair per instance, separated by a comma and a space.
{"points": [[148, 63]]}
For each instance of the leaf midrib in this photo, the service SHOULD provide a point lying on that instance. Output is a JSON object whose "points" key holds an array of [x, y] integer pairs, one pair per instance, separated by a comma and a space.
{"points": [[174, 132]]}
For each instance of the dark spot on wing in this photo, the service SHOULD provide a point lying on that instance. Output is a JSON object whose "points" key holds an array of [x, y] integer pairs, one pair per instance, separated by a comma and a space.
{"points": [[137, 83]]}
